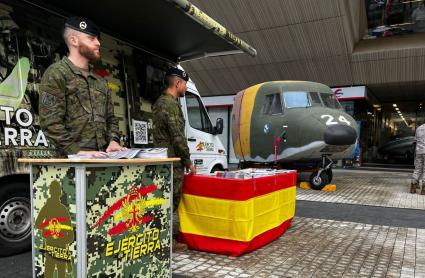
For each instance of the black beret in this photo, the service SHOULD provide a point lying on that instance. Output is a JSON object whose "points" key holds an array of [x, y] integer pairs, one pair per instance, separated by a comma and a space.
{"points": [[177, 72], [83, 25]]}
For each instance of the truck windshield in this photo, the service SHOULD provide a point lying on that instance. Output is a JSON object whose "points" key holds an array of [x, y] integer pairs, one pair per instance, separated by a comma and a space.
{"points": [[197, 116], [296, 99]]}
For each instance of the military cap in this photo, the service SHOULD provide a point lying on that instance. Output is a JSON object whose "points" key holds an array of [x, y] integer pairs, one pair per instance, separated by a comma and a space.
{"points": [[177, 72], [83, 25]]}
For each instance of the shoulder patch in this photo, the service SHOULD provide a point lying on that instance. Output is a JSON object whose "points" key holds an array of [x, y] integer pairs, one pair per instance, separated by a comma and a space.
{"points": [[48, 99]]}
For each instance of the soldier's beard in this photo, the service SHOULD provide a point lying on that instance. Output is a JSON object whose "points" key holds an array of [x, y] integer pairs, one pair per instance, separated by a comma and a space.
{"points": [[181, 93], [87, 52]]}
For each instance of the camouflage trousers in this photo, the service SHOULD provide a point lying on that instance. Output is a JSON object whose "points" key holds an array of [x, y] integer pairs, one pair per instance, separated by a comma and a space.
{"points": [[178, 176], [419, 168]]}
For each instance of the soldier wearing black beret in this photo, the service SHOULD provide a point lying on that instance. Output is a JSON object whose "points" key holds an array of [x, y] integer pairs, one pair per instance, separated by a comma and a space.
{"points": [[168, 132], [76, 110], [177, 72], [83, 25]]}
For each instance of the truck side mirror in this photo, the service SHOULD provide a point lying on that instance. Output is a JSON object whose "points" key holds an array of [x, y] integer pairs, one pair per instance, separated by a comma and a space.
{"points": [[218, 126]]}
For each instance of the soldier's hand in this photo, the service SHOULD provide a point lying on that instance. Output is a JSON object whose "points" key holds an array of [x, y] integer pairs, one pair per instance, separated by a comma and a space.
{"points": [[192, 169], [114, 147], [94, 154]]}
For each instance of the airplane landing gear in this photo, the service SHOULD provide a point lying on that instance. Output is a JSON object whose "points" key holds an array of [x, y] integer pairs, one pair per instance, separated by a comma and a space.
{"points": [[319, 179]]}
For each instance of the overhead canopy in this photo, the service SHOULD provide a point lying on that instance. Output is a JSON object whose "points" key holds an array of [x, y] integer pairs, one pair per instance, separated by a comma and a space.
{"points": [[173, 29]]}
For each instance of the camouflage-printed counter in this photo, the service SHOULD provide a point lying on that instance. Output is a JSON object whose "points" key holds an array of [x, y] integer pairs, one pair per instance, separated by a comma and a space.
{"points": [[101, 218]]}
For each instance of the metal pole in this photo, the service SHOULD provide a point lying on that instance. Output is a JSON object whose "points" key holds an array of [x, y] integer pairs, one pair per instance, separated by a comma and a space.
{"points": [[202, 18], [129, 104]]}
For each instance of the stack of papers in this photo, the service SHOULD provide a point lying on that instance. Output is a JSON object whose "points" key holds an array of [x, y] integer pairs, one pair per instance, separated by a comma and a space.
{"points": [[250, 173], [129, 153], [153, 153]]}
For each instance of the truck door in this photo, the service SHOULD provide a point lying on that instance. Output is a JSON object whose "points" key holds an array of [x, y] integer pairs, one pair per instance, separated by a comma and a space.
{"points": [[199, 132]]}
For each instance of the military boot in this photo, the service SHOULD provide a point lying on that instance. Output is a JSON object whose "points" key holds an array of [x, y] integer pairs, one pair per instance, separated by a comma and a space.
{"points": [[413, 187]]}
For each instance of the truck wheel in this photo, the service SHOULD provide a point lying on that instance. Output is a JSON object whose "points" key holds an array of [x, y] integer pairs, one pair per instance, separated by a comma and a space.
{"points": [[216, 168], [15, 218], [319, 182]]}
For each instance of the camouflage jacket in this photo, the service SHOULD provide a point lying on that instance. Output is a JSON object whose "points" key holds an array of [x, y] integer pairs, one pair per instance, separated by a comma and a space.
{"points": [[76, 112], [168, 128], [420, 139]]}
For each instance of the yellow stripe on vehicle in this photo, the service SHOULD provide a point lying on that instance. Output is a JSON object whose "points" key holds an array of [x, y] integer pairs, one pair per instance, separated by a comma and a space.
{"points": [[247, 106]]}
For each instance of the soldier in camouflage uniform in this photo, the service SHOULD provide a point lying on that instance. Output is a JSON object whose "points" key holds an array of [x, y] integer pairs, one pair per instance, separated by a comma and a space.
{"points": [[168, 130], [57, 234], [419, 160], [76, 108]]}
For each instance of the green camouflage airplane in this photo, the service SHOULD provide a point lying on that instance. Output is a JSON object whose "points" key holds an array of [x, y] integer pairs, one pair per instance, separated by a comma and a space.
{"points": [[289, 123]]}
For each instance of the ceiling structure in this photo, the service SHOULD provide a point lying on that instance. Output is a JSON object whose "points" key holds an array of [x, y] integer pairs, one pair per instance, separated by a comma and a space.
{"points": [[310, 40], [147, 24]]}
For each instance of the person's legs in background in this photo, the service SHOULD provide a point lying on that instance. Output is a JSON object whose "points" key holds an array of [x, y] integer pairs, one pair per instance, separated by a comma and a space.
{"points": [[422, 173], [417, 173]]}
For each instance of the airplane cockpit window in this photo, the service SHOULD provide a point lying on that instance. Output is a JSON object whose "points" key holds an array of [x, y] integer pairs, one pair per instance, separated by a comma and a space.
{"points": [[272, 105], [198, 117], [296, 99], [330, 101], [267, 104], [315, 99]]}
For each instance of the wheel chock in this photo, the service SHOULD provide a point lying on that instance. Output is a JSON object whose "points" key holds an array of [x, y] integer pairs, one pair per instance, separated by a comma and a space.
{"points": [[327, 188], [305, 185]]}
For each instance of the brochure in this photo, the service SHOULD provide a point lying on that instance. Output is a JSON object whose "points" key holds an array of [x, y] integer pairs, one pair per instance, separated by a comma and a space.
{"points": [[130, 153], [153, 153]]}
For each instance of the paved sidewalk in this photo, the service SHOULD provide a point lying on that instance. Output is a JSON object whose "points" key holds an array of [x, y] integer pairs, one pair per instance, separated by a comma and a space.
{"points": [[386, 189], [319, 248], [315, 247]]}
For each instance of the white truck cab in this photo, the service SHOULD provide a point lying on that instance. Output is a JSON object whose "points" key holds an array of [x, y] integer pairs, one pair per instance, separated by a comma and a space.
{"points": [[206, 149]]}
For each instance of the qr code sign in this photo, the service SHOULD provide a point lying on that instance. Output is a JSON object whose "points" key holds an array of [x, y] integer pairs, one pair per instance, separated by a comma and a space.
{"points": [[140, 129]]}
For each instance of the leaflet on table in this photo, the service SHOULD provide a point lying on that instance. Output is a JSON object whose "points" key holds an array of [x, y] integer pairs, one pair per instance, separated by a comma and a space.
{"points": [[153, 153], [249, 173], [129, 153]]}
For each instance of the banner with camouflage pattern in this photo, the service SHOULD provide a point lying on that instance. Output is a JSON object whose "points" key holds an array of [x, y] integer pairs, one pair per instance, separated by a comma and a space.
{"points": [[54, 206], [128, 221]]}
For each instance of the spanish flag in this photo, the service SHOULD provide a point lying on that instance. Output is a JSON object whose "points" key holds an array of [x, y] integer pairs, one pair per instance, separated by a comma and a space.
{"points": [[235, 216]]}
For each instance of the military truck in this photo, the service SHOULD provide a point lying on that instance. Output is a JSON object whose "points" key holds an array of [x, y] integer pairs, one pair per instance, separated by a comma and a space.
{"points": [[137, 46]]}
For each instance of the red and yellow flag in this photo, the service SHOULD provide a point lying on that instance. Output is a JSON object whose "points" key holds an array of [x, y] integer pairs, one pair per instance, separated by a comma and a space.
{"points": [[232, 216]]}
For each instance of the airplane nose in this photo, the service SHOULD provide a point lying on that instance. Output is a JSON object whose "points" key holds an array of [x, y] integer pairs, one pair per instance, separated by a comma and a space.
{"points": [[340, 135]]}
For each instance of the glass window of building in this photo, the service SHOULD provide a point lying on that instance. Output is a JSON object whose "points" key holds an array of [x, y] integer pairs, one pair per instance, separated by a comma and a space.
{"points": [[396, 132], [394, 17], [296, 99]]}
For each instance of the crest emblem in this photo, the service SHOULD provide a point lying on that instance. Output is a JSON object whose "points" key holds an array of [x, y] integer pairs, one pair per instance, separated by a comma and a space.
{"points": [[266, 128], [83, 25], [55, 227], [131, 211]]}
